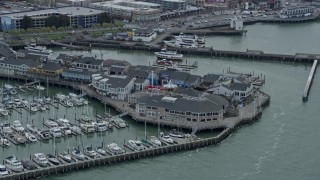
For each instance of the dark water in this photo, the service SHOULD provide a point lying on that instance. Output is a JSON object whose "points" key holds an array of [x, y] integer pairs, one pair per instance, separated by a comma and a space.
{"points": [[283, 144]]}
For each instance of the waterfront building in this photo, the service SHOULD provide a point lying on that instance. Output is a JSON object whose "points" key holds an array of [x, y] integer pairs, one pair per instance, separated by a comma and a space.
{"points": [[182, 109], [115, 67], [66, 59], [210, 80], [115, 87], [48, 70], [170, 5], [11, 66], [80, 75], [184, 79], [141, 78], [89, 63], [296, 11], [78, 16], [144, 35]]}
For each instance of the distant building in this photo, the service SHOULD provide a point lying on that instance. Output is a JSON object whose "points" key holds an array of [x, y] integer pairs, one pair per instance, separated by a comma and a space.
{"points": [[170, 5], [296, 11], [80, 75], [48, 70], [144, 35], [236, 23], [235, 91], [10, 66], [89, 63]]}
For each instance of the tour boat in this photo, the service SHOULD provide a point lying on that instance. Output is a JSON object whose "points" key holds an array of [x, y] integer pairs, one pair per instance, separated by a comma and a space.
{"points": [[88, 150], [30, 137], [155, 141], [6, 128], [77, 154], [50, 123], [32, 128], [4, 112], [166, 138], [3, 170], [29, 165], [13, 164], [40, 159], [177, 134], [114, 149], [40, 49], [65, 156], [87, 127], [136, 145], [4, 142], [56, 132], [100, 126], [44, 134], [53, 159], [183, 44], [119, 122], [16, 126], [171, 55], [100, 150]]}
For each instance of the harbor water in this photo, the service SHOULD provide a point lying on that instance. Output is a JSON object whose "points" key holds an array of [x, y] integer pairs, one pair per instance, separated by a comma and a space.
{"points": [[283, 144]]}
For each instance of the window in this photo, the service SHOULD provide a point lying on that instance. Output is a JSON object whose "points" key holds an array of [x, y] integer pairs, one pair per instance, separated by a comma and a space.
{"points": [[203, 120], [208, 119], [188, 113]]}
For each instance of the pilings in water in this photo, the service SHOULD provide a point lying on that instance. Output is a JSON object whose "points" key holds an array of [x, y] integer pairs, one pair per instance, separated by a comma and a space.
{"points": [[309, 81]]}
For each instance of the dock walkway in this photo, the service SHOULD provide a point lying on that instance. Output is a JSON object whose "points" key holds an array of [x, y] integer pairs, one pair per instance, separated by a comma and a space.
{"points": [[309, 81]]}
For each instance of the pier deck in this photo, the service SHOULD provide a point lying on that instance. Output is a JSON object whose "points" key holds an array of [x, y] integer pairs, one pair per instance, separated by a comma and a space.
{"points": [[309, 81]]}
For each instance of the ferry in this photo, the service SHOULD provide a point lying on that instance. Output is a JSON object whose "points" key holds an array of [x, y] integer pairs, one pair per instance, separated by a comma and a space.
{"points": [[41, 49], [170, 55], [190, 37]]}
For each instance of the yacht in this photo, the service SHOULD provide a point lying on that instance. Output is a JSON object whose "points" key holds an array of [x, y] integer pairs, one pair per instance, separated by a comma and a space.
{"points": [[165, 62], [100, 126], [13, 164], [40, 159], [47, 99], [61, 97], [53, 159], [63, 122], [32, 128], [42, 107], [65, 156], [39, 87], [19, 138], [66, 130], [10, 89], [68, 103], [89, 151], [24, 102], [166, 138], [171, 55], [87, 127], [84, 101], [29, 165], [17, 102], [16, 126], [85, 118], [39, 101], [177, 134], [56, 132], [136, 145], [75, 129], [50, 123], [100, 150], [77, 154], [40, 49], [30, 137], [3, 170], [34, 107], [44, 134], [155, 141], [114, 149], [4, 142], [4, 112], [119, 122], [6, 128]]}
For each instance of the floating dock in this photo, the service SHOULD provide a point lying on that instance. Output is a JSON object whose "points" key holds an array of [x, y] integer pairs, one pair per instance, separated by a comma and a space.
{"points": [[309, 81]]}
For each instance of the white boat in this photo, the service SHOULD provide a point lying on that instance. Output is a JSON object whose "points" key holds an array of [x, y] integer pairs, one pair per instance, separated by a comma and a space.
{"points": [[177, 134], [19, 138], [136, 145], [75, 129], [4, 112], [30, 137], [6, 128], [13, 164], [87, 127], [166, 138], [100, 126], [40, 49], [24, 102], [84, 101], [17, 102], [181, 44], [16, 126], [114, 149], [68, 103], [3, 170], [44, 134], [89, 151], [4, 142], [190, 38], [155, 141], [32, 128], [34, 107], [65, 156], [171, 55], [53, 159], [85, 118], [39, 87], [10, 89], [50, 123], [56, 132], [77, 154], [47, 99], [63, 122], [119, 122], [66, 130], [77, 102], [42, 107], [61, 97], [101, 150], [40, 159]]}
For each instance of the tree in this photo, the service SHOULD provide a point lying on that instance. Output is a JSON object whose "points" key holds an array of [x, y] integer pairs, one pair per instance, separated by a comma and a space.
{"points": [[63, 21], [52, 21], [26, 22], [104, 18]]}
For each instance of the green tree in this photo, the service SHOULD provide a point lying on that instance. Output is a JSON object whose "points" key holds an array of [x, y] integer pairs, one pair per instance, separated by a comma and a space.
{"points": [[26, 22], [52, 21], [104, 18], [63, 21]]}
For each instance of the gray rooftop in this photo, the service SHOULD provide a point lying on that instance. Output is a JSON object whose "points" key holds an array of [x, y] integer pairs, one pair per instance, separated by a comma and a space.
{"points": [[78, 71], [51, 66], [137, 73], [19, 62], [211, 78], [67, 57], [90, 60], [117, 81], [180, 76], [187, 92], [237, 86], [193, 78]]}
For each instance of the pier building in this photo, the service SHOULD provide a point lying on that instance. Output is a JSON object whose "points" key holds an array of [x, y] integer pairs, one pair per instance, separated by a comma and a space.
{"points": [[88, 63], [10, 66], [296, 11], [75, 74]]}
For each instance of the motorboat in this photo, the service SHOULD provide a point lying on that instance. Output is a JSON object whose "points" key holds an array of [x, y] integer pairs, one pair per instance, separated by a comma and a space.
{"points": [[75, 129], [40, 159], [155, 141], [10, 89], [39, 100], [119, 122], [3, 170], [34, 107], [47, 99], [84, 101], [13, 164], [114, 149], [6, 128], [68, 103], [42, 107], [4, 112], [89, 151], [100, 126], [29, 165], [177, 134], [60, 97], [101, 150], [24, 102], [85, 118], [53, 159], [171, 55], [39, 87], [17, 102], [136, 145], [16, 126], [44, 134], [56, 132], [4, 142], [19, 138], [87, 127], [63, 122], [40, 49], [30, 137], [50, 123], [77, 154], [32, 128], [166, 138], [66, 130], [65, 156], [165, 62]]}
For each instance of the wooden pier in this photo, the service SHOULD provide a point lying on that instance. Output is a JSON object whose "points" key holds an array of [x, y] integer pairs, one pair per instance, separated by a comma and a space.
{"points": [[309, 81]]}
